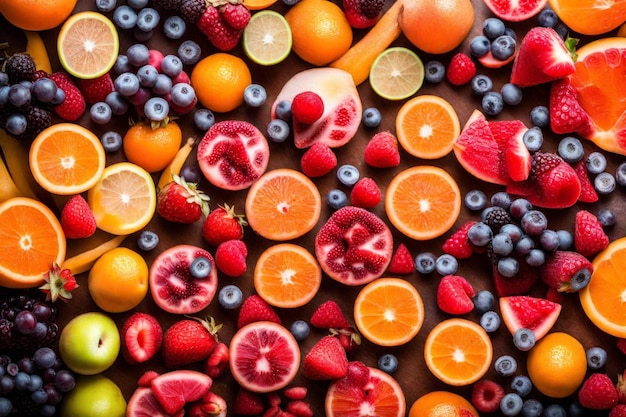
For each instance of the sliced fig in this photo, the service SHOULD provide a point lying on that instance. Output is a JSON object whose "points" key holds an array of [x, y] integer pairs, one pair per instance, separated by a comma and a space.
{"points": [[174, 389], [233, 154], [172, 286], [264, 356], [354, 246]]}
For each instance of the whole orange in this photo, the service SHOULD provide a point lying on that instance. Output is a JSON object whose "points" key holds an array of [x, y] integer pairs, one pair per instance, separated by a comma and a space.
{"points": [[152, 148], [436, 26], [36, 15], [320, 31], [441, 404], [219, 81]]}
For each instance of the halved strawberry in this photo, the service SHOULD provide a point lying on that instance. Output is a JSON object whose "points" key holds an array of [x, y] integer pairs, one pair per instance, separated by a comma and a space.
{"points": [[141, 337], [517, 157]]}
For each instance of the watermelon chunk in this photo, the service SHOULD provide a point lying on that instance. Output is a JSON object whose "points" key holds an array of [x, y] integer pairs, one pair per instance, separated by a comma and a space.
{"points": [[536, 314]]}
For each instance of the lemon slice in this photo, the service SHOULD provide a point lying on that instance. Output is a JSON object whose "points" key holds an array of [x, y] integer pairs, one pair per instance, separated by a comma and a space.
{"points": [[267, 38], [397, 73]]}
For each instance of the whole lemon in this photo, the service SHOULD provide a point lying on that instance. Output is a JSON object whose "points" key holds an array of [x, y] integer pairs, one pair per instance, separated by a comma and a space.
{"points": [[557, 365], [118, 281]]}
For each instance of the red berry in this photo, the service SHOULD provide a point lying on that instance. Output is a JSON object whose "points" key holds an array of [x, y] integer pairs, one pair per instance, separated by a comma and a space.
{"points": [[598, 393], [77, 219], [589, 236], [365, 193], [318, 160], [401, 261], [461, 69], [307, 107], [486, 395], [236, 15], [382, 151], [230, 257], [454, 295]]}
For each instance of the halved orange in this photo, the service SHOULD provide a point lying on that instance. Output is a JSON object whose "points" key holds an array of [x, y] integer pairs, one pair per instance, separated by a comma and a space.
{"points": [[287, 275], [423, 202], [604, 299], [389, 311], [67, 159], [31, 241], [88, 44], [590, 17], [124, 200], [283, 204], [427, 127], [458, 351]]}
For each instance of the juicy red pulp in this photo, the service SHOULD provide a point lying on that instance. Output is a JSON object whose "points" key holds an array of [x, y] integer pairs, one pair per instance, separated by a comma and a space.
{"points": [[265, 358]]}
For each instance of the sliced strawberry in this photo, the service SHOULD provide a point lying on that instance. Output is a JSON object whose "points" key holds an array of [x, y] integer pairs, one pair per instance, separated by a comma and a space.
{"points": [[296, 393], [517, 158], [588, 192], [326, 360], [454, 295], [141, 337]]}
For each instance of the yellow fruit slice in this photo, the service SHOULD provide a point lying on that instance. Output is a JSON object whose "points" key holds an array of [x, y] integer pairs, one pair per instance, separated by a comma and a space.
{"points": [[267, 38], [397, 73]]}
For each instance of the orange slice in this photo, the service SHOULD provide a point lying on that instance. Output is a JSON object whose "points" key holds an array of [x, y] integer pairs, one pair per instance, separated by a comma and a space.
{"points": [[603, 300], [427, 127], [458, 351], [389, 311], [31, 240], [124, 200], [590, 17], [423, 202], [258, 4], [287, 275], [283, 204], [88, 45], [67, 159]]}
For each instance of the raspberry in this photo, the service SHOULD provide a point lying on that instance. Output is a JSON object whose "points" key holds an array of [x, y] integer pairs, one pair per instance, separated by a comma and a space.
{"points": [[454, 295], [307, 107], [598, 393], [401, 261], [96, 89], [458, 245], [236, 15], [382, 151], [318, 160], [461, 69], [486, 395], [230, 257], [223, 36], [589, 236], [365, 193]]}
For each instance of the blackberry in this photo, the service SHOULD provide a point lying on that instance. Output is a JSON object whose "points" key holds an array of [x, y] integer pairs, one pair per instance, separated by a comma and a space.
{"points": [[168, 4], [191, 10], [20, 67], [37, 119], [495, 217]]}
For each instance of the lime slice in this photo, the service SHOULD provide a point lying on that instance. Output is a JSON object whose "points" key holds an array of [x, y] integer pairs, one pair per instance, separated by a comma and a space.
{"points": [[397, 73], [267, 38]]}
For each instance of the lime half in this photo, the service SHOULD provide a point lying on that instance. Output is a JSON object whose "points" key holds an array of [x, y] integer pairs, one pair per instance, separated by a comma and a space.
{"points": [[267, 38], [397, 73]]}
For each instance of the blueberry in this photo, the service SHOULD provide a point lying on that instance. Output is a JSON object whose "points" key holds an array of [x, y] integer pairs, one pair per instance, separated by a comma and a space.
{"points": [[125, 17], [505, 365], [513, 230], [566, 239], [203, 119], [4, 94], [230, 297], [479, 46], [554, 410], [531, 408], [501, 199], [534, 222], [606, 217], [547, 18], [493, 27], [540, 116], [596, 162], [604, 183], [434, 72], [511, 404], [620, 174], [156, 108], [484, 301], [388, 363], [503, 47], [182, 95], [126, 84], [576, 410], [524, 245], [300, 330], [117, 102], [492, 103], [490, 321], [148, 19], [596, 357], [122, 65], [502, 244], [479, 234], [475, 200], [481, 84], [580, 279], [371, 117], [348, 174], [147, 240], [6, 406], [189, 52], [171, 65], [283, 110], [549, 240], [278, 130], [571, 149], [16, 124], [19, 95], [425, 262], [200, 267], [44, 90], [510, 32], [533, 139], [100, 113], [59, 97], [535, 258], [336, 199], [106, 5], [508, 266], [137, 4], [147, 75], [521, 385], [511, 94], [254, 95], [162, 85], [524, 339], [111, 141], [562, 30], [519, 207], [446, 264], [191, 174], [174, 27], [4, 78], [138, 54]]}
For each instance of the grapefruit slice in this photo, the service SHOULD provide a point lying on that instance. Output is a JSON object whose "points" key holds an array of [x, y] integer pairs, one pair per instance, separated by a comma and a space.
{"points": [[515, 11], [174, 389], [536, 314], [144, 404]]}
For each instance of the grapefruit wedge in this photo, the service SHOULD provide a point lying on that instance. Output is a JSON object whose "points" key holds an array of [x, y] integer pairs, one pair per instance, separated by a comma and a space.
{"points": [[536, 314]]}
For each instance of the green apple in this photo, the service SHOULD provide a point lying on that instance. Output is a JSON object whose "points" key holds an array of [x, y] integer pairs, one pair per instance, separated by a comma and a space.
{"points": [[89, 343], [94, 396]]}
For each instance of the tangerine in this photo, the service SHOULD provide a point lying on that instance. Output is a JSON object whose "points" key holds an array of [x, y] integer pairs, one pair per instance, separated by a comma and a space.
{"points": [[152, 148], [37, 15], [320, 31], [442, 404], [219, 81], [590, 17]]}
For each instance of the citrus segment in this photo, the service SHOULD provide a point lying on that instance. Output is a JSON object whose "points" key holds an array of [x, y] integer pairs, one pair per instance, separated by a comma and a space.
{"points": [[31, 241], [287, 275], [88, 45], [67, 159], [423, 202], [389, 311], [267, 38], [427, 127], [590, 17], [124, 200], [283, 204], [442, 404], [458, 351], [397, 73], [603, 300]]}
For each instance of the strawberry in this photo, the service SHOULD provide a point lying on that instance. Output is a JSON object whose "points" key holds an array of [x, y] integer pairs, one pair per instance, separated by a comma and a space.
{"points": [[188, 341], [520, 284], [296, 393], [362, 14], [598, 393], [223, 36], [454, 295], [401, 261], [77, 219], [588, 192], [230, 257], [248, 403], [145, 380], [223, 224], [566, 271], [326, 360], [458, 245], [618, 411], [299, 408], [589, 236], [141, 336], [96, 89], [318, 160], [217, 362], [236, 15], [73, 106], [382, 151], [59, 283], [365, 193], [329, 315], [307, 107], [566, 114], [486, 395], [461, 69], [182, 202], [254, 308]]}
